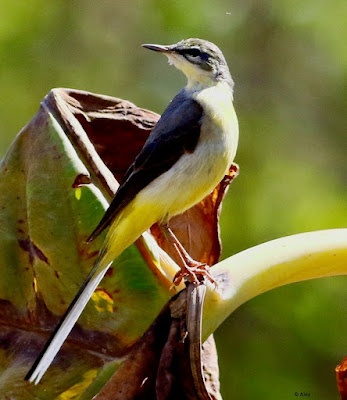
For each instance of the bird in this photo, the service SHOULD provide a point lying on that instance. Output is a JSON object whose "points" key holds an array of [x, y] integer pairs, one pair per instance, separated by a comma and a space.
{"points": [[186, 155]]}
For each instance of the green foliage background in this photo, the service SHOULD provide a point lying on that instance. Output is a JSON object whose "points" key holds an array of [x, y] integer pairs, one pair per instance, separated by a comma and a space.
{"points": [[289, 63]]}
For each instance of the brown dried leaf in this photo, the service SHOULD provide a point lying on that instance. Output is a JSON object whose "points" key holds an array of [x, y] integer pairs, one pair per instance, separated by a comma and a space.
{"points": [[135, 379], [163, 365], [341, 377], [116, 128]]}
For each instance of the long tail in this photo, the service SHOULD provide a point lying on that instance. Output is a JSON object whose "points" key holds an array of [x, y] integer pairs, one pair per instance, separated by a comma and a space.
{"points": [[65, 325]]}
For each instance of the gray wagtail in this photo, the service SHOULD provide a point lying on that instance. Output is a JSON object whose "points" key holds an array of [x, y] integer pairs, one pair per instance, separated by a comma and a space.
{"points": [[186, 155]]}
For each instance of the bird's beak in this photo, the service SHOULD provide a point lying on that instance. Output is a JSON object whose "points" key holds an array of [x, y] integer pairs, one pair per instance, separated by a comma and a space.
{"points": [[159, 48]]}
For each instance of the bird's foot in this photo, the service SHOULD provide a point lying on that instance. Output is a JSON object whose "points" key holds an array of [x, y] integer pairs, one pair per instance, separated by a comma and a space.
{"points": [[195, 272]]}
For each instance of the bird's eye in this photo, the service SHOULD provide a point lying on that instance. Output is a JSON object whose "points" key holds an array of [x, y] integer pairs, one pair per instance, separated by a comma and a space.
{"points": [[193, 52]]}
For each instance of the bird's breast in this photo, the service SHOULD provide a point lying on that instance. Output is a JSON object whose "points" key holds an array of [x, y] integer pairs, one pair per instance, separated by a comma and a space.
{"points": [[219, 129]]}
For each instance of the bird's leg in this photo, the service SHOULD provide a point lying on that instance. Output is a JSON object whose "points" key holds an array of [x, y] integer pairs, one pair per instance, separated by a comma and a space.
{"points": [[191, 270]]}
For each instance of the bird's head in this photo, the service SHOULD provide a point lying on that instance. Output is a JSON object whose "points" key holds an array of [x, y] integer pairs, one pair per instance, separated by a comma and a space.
{"points": [[201, 61]]}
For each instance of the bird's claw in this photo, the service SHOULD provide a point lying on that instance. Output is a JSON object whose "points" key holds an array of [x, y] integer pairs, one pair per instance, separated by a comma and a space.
{"points": [[195, 272]]}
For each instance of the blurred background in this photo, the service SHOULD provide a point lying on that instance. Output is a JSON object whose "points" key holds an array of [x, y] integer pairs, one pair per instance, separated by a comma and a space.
{"points": [[289, 63]]}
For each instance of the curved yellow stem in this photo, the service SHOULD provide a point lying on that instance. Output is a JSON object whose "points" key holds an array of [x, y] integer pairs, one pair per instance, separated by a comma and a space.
{"points": [[272, 264]]}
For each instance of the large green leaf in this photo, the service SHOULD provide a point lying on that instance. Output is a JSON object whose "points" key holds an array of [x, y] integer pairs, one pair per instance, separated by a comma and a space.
{"points": [[56, 181]]}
